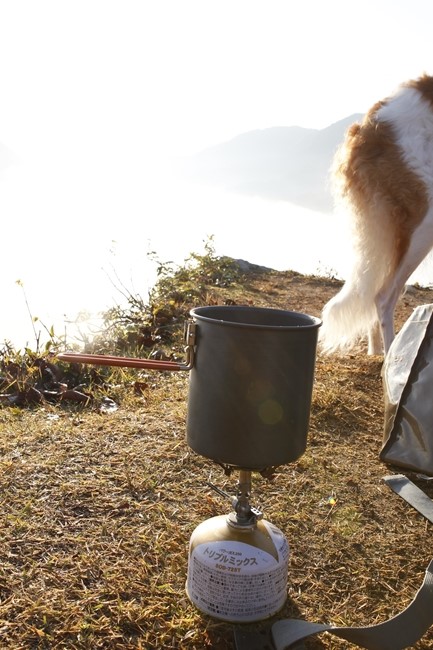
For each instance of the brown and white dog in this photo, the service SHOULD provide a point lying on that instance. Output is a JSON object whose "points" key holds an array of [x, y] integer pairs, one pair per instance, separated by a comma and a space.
{"points": [[384, 173]]}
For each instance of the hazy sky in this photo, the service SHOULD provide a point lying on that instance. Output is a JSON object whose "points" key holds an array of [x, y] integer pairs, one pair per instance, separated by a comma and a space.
{"points": [[95, 95], [99, 78]]}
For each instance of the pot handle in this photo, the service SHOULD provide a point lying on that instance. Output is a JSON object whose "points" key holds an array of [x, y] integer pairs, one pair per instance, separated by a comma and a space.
{"points": [[132, 362]]}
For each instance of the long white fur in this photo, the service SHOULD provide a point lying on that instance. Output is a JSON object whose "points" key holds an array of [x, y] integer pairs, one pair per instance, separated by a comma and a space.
{"points": [[411, 117], [366, 303]]}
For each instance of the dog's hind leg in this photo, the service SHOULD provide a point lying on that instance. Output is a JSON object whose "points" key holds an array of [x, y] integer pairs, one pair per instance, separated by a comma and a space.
{"points": [[375, 339], [386, 301], [387, 298]]}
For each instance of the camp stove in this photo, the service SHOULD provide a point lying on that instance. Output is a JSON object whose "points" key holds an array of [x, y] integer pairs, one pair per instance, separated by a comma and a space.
{"points": [[250, 388], [238, 562]]}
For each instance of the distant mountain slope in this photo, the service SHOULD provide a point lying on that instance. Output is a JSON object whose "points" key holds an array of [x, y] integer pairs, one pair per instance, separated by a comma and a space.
{"points": [[283, 163]]}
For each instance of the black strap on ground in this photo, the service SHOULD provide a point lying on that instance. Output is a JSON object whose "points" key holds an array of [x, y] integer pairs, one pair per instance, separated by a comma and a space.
{"points": [[408, 491], [400, 632]]}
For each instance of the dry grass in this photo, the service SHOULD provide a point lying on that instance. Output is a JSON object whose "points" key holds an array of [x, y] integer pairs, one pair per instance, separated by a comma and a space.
{"points": [[98, 508]]}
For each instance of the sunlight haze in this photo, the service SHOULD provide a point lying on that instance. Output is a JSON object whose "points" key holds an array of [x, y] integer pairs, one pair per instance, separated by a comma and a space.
{"points": [[99, 96]]}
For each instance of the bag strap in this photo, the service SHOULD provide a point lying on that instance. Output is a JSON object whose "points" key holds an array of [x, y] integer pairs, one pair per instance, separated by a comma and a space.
{"points": [[401, 631], [408, 491]]}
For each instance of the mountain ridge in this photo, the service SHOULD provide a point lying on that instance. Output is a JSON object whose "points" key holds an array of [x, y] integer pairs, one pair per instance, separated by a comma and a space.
{"points": [[277, 163]]}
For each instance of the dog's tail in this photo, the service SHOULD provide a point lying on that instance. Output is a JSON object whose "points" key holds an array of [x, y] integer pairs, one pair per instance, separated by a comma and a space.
{"points": [[347, 317], [351, 314]]}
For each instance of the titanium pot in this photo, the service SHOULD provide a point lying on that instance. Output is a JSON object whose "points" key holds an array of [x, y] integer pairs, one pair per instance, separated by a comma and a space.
{"points": [[251, 380], [251, 385]]}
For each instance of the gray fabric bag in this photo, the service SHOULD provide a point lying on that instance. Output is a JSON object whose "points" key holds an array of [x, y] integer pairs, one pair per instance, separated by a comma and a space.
{"points": [[407, 375]]}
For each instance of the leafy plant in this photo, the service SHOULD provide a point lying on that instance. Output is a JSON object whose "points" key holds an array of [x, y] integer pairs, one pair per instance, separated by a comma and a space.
{"points": [[158, 320], [141, 327]]}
